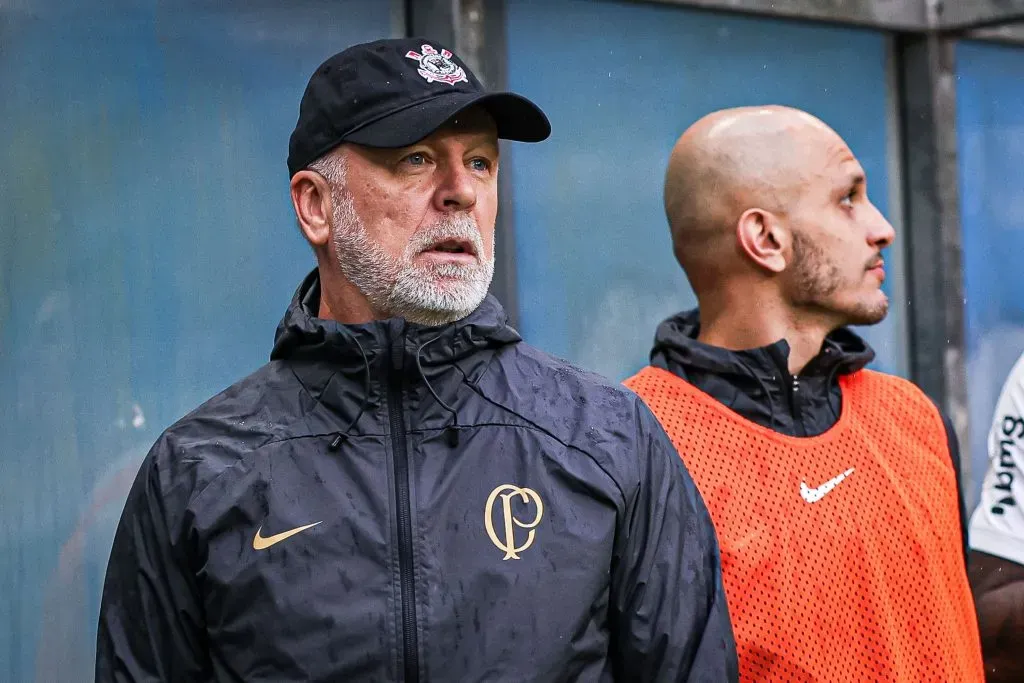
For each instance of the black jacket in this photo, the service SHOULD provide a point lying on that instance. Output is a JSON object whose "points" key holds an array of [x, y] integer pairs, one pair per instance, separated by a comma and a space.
{"points": [[756, 383], [480, 511]]}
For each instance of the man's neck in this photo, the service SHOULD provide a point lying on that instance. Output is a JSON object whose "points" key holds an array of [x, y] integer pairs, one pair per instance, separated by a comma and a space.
{"points": [[340, 300], [750, 327]]}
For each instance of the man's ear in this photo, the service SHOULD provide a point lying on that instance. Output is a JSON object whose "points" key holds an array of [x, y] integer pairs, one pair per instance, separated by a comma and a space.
{"points": [[764, 239], [311, 198]]}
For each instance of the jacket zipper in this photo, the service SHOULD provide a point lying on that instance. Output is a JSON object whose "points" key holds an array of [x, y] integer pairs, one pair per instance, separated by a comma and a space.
{"points": [[405, 558], [791, 389], [794, 405]]}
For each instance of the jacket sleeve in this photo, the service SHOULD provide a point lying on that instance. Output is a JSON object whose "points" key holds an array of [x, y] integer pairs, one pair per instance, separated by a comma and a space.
{"points": [[954, 456], [151, 618], [670, 619]]}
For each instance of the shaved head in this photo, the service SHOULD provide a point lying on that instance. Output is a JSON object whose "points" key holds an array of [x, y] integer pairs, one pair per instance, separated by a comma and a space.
{"points": [[730, 161], [771, 200]]}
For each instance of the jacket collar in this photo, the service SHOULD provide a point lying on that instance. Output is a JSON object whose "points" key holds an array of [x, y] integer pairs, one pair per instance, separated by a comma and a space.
{"points": [[676, 349], [303, 335]]}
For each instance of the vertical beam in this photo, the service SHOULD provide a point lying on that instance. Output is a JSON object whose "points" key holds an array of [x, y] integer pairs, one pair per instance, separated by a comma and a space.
{"points": [[897, 259], [934, 253], [434, 19], [475, 30], [399, 20]]}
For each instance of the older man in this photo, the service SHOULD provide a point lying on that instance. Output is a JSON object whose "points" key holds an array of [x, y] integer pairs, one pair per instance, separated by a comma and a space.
{"points": [[833, 488], [407, 491]]}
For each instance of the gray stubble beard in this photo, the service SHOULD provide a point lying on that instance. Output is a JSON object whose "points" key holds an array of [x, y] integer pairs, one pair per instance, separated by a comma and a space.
{"points": [[427, 295]]}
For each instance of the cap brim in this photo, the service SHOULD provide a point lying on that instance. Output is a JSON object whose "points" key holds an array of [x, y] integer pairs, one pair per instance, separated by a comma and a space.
{"points": [[517, 118]]}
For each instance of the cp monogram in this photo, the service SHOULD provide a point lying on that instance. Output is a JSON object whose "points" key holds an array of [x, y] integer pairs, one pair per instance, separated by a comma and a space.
{"points": [[509, 544]]}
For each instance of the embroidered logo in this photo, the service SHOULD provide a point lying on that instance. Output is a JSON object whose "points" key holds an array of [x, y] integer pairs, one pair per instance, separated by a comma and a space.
{"points": [[507, 541], [437, 67]]}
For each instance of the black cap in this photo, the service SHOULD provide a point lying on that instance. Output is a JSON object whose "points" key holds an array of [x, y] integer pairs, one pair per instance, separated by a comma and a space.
{"points": [[394, 92]]}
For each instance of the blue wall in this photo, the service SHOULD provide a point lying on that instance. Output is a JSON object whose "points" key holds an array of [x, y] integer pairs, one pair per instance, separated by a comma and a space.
{"points": [[147, 251], [990, 134], [620, 83], [147, 247]]}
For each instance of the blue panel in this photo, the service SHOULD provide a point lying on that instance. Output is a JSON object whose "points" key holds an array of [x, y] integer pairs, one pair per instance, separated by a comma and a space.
{"points": [[990, 131], [147, 251], [621, 81]]}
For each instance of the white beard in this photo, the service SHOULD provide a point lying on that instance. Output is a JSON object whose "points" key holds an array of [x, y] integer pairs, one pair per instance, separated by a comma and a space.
{"points": [[397, 287]]}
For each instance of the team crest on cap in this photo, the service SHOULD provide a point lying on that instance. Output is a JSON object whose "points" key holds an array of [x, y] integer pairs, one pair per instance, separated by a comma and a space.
{"points": [[437, 67]]}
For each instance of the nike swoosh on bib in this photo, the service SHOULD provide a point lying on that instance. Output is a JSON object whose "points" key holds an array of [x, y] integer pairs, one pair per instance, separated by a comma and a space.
{"points": [[814, 495]]}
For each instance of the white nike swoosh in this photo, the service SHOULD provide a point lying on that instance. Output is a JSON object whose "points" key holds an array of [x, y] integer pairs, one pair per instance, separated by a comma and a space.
{"points": [[814, 495]]}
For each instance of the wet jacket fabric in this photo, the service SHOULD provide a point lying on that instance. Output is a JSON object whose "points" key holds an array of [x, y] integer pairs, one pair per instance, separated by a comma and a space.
{"points": [[756, 383], [389, 502]]}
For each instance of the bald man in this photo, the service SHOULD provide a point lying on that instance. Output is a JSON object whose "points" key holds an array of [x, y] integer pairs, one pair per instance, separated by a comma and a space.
{"points": [[833, 488]]}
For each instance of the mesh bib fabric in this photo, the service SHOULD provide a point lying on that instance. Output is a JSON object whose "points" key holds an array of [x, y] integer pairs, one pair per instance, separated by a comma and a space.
{"points": [[841, 553]]}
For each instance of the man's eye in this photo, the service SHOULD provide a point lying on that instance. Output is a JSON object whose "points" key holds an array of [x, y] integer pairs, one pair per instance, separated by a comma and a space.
{"points": [[848, 199], [416, 159], [480, 164]]}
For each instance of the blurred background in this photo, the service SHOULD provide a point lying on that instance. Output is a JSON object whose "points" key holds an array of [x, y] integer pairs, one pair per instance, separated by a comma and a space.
{"points": [[148, 249]]}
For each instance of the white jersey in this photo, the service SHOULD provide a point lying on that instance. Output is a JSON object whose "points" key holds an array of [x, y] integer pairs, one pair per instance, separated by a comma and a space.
{"points": [[997, 525]]}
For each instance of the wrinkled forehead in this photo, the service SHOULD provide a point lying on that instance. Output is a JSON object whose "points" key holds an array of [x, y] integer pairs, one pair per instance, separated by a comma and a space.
{"points": [[842, 164], [812, 166], [824, 154]]}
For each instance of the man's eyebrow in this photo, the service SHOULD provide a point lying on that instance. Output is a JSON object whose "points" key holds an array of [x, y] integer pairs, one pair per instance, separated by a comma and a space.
{"points": [[853, 176], [483, 141]]}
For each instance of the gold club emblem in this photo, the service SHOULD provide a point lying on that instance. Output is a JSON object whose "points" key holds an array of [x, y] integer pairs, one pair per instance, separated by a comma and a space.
{"points": [[507, 492]]}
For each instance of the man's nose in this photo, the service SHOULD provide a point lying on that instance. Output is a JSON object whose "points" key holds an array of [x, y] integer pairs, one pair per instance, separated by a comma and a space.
{"points": [[456, 191], [882, 233]]}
